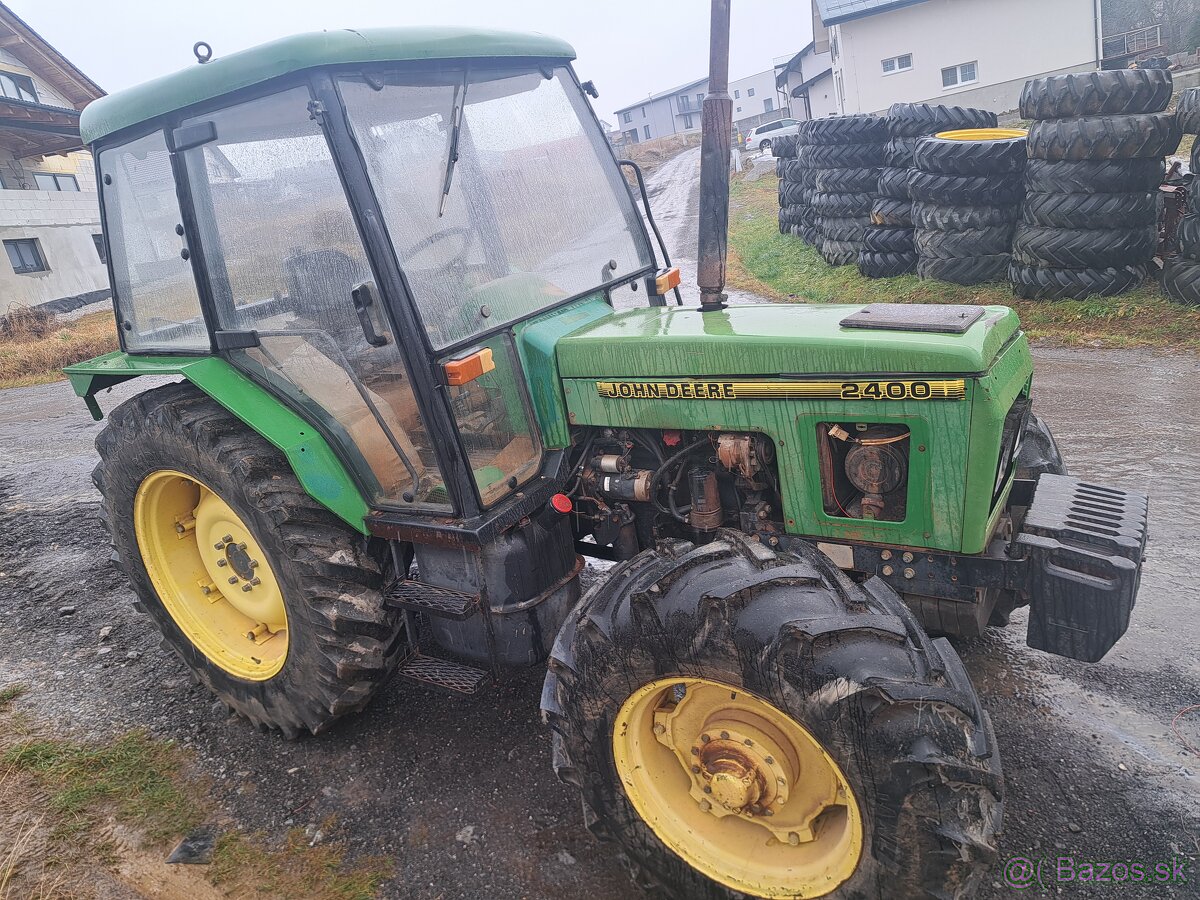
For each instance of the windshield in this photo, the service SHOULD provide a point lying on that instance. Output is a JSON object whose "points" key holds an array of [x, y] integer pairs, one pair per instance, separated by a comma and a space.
{"points": [[535, 210]]}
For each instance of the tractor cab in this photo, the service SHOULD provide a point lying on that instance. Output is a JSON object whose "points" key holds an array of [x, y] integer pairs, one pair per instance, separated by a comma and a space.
{"points": [[354, 221]]}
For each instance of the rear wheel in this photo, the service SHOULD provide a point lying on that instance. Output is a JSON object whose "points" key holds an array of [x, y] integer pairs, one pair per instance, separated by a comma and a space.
{"points": [[745, 722], [272, 601], [764, 146]]}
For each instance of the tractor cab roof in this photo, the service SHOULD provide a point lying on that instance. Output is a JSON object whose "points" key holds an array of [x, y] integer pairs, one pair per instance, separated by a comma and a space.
{"points": [[226, 74]]}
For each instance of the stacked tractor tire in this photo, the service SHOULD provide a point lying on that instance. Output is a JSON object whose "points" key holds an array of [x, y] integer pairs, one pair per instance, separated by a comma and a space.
{"points": [[1181, 274], [796, 188], [844, 155], [967, 187], [889, 244], [1089, 222]]}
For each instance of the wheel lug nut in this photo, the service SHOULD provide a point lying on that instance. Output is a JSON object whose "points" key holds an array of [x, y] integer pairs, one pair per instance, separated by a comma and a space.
{"points": [[228, 539], [218, 546], [749, 743], [770, 760], [695, 751], [724, 735], [247, 588], [660, 728], [705, 738], [206, 590], [256, 581], [254, 563], [222, 562], [695, 770], [233, 579], [793, 839], [241, 546], [705, 805], [707, 789]]}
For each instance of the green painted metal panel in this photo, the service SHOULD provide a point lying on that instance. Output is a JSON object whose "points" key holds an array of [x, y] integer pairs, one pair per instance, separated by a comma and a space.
{"points": [[537, 341], [770, 340], [312, 459], [256, 65], [954, 448]]}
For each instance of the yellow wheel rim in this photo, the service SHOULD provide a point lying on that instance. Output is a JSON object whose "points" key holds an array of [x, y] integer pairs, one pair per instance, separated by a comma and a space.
{"points": [[983, 134], [211, 575], [737, 788]]}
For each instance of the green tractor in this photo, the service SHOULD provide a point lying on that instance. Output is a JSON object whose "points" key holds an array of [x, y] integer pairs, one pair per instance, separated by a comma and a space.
{"points": [[381, 269]]}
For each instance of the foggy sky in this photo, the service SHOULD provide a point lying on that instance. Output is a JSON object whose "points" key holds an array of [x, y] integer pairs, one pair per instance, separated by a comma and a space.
{"points": [[629, 48]]}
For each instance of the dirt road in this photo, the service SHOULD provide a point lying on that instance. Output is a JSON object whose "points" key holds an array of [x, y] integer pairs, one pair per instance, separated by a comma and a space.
{"points": [[459, 792]]}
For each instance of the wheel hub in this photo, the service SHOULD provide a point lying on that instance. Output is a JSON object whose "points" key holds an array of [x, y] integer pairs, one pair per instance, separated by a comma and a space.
{"points": [[211, 575], [738, 788]]}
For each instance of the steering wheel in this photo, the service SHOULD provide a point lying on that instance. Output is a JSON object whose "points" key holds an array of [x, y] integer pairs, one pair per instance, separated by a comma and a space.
{"points": [[459, 261]]}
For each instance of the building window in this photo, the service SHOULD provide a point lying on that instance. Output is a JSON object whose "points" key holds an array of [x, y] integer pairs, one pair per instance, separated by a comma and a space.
{"points": [[737, 95], [646, 132], [632, 136], [897, 64], [643, 112], [966, 73], [687, 123], [46, 181], [98, 240], [626, 118], [739, 109], [685, 102], [750, 92], [768, 104], [17, 87], [833, 45], [699, 100], [26, 256]]}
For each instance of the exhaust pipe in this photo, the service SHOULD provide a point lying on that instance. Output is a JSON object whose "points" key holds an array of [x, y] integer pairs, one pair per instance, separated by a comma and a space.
{"points": [[716, 137]]}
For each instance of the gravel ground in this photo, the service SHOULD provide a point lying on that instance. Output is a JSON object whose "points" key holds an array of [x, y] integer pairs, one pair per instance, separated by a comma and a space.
{"points": [[459, 791]]}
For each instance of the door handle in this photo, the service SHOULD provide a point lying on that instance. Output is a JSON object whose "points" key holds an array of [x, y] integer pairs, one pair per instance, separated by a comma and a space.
{"points": [[363, 296]]}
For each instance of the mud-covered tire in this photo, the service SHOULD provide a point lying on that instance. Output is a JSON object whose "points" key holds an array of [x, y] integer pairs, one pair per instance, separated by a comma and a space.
{"points": [[843, 206], [1187, 237], [899, 152], [912, 120], [888, 240], [965, 190], [847, 181], [1188, 111], [1089, 210], [1180, 280], [1112, 176], [840, 253], [1039, 454], [1091, 248], [848, 662], [1049, 283], [1109, 93], [959, 244], [792, 194], [856, 129], [872, 264], [343, 641], [849, 229], [934, 217], [893, 182], [1150, 135], [889, 211], [967, 271], [842, 156], [947, 156]]}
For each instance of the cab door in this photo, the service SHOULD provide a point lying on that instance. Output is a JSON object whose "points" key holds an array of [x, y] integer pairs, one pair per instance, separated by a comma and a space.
{"points": [[296, 300]]}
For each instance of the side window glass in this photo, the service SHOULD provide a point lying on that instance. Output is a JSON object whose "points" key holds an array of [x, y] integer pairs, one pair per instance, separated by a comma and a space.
{"points": [[155, 292]]}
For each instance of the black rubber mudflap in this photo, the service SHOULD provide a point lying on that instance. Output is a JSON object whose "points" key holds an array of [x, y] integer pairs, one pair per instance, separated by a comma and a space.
{"points": [[1084, 544]]}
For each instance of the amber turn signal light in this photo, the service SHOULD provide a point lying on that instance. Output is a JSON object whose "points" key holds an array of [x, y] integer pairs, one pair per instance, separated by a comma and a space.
{"points": [[666, 279], [468, 368]]}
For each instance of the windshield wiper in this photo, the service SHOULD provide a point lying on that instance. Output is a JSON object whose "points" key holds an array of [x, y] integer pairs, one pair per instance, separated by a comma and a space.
{"points": [[460, 96]]}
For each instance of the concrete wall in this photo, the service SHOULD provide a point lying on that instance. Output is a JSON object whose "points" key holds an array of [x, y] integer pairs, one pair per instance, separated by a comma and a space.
{"points": [[1011, 41]]}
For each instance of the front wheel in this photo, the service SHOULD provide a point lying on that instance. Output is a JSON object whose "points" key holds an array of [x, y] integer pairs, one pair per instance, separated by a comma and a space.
{"points": [[745, 722], [764, 146]]}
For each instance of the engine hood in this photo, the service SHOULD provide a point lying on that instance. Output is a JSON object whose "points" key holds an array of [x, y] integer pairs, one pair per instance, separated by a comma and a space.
{"points": [[772, 340]]}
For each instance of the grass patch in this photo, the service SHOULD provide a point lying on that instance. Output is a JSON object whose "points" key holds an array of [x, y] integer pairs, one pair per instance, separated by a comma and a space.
{"points": [[10, 693], [34, 348], [60, 796], [783, 267]]}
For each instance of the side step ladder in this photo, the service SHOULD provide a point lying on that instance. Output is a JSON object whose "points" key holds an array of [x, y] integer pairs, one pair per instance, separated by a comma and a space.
{"points": [[432, 671]]}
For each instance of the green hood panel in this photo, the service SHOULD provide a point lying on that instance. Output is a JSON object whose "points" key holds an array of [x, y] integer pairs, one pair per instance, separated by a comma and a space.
{"points": [[771, 340]]}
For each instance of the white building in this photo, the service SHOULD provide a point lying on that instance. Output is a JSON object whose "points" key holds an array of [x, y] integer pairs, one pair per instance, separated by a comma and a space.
{"points": [[49, 211], [962, 52], [756, 99], [807, 78]]}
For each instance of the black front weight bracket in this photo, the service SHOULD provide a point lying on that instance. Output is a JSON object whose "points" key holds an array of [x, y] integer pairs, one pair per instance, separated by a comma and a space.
{"points": [[1076, 561]]}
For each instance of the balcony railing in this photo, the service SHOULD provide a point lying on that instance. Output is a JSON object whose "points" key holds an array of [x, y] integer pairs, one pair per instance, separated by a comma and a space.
{"points": [[1132, 43]]}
